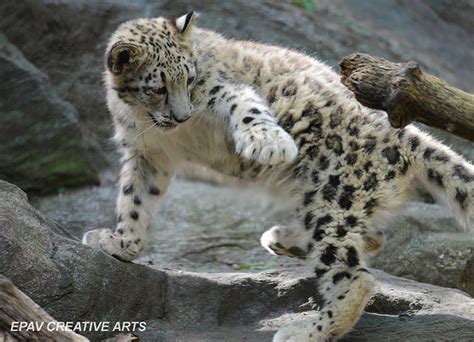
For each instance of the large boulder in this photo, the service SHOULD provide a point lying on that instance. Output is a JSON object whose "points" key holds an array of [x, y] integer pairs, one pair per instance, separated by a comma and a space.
{"points": [[69, 280], [426, 244], [41, 144], [76, 283]]}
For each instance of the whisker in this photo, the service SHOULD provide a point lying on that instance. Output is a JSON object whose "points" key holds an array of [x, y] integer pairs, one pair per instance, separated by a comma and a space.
{"points": [[146, 129], [145, 121]]}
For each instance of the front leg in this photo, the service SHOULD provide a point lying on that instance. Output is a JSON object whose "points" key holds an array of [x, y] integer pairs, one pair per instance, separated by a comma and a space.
{"points": [[252, 124], [143, 181]]}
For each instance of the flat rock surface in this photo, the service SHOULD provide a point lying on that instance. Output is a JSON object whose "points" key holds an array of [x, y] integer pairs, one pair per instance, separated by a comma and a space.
{"points": [[400, 310], [199, 227]]}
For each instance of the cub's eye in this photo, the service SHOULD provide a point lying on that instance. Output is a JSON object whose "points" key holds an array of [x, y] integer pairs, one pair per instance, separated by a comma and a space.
{"points": [[191, 80], [159, 91]]}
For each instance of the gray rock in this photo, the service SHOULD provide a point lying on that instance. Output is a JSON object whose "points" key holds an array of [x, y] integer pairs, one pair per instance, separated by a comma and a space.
{"points": [[455, 12], [251, 307], [69, 280], [411, 30], [41, 145], [76, 283], [424, 243]]}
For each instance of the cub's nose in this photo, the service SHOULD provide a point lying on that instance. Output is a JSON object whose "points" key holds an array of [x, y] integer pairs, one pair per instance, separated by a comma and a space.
{"points": [[181, 118]]}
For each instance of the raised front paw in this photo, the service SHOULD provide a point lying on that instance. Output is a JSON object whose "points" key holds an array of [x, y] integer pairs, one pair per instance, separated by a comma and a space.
{"points": [[267, 145], [123, 247]]}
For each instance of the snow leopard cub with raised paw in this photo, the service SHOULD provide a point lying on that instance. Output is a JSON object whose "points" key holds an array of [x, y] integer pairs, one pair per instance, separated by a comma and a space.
{"points": [[238, 107]]}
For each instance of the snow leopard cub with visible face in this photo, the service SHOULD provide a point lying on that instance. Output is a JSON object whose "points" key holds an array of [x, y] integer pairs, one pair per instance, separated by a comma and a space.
{"points": [[277, 118]]}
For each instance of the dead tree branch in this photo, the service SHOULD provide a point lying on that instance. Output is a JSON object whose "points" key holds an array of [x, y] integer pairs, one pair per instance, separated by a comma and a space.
{"points": [[408, 94], [15, 306]]}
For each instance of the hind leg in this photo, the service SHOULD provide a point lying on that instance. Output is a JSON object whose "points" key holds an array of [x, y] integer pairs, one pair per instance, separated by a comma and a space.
{"points": [[345, 285], [335, 248]]}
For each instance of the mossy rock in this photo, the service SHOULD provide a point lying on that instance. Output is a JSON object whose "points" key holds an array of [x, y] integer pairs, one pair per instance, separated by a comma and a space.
{"points": [[41, 144]]}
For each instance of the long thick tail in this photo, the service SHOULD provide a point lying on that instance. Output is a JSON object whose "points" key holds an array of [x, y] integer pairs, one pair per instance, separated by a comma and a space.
{"points": [[444, 173]]}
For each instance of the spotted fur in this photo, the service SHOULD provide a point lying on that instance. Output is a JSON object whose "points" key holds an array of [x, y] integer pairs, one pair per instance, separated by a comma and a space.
{"points": [[277, 118]]}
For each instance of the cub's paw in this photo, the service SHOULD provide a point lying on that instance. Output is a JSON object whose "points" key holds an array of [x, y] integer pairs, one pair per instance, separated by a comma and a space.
{"points": [[269, 145], [281, 240], [302, 333], [120, 246]]}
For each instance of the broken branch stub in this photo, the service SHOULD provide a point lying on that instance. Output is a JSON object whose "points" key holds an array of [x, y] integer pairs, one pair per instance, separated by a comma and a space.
{"points": [[408, 94]]}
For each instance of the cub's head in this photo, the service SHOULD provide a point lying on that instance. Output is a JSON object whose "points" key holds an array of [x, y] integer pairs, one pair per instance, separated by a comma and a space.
{"points": [[150, 65]]}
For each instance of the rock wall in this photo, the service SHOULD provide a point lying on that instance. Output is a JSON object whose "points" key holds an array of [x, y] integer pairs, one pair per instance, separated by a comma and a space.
{"points": [[41, 143]]}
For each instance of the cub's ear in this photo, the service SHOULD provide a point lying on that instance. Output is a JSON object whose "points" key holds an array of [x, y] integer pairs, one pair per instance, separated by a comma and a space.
{"points": [[185, 23], [124, 56]]}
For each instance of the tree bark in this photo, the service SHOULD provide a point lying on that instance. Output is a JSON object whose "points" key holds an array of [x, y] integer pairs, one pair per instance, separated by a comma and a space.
{"points": [[408, 94], [15, 306]]}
